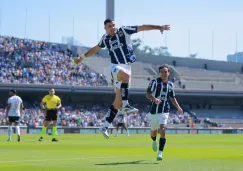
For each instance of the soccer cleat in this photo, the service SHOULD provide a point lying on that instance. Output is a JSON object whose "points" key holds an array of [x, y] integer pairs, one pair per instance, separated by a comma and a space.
{"points": [[18, 138], [41, 139], [105, 133], [54, 140], [154, 146], [9, 139], [116, 135], [129, 109], [159, 157]]}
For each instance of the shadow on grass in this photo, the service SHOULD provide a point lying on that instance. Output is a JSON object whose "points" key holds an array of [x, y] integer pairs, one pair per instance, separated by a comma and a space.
{"points": [[132, 162]]}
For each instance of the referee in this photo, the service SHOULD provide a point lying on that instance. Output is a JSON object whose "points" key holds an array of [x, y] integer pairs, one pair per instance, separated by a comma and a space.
{"points": [[50, 104]]}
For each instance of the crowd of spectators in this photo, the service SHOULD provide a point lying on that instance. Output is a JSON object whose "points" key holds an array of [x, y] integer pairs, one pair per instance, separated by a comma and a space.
{"points": [[27, 61], [85, 115]]}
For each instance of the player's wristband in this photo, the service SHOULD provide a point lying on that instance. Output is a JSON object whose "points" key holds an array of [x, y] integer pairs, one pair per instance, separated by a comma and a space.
{"points": [[83, 57]]}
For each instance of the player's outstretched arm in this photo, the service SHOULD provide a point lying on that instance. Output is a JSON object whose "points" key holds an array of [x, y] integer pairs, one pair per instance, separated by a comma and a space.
{"points": [[89, 53], [153, 27]]}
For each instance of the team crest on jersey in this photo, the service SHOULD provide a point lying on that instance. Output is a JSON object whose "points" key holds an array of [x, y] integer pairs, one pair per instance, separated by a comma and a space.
{"points": [[120, 33]]}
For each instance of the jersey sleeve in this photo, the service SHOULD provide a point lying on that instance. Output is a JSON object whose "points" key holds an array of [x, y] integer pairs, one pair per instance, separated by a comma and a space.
{"points": [[172, 91], [9, 101], [101, 44], [130, 29], [44, 99], [58, 100], [151, 86]]}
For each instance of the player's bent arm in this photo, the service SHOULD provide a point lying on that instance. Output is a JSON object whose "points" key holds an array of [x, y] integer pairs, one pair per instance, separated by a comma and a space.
{"points": [[59, 106], [42, 105], [174, 102], [21, 108], [8, 109], [89, 53], [149, 96]]}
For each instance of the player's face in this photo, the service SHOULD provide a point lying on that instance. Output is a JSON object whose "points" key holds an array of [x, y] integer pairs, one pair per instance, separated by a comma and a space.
{"points": [[164, 73], [52, 92], [10, 94], [110, 28]]}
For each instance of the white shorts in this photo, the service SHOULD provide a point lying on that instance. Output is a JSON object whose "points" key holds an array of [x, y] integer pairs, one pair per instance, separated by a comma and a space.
{"points": [[115, 68], [158, 119]]}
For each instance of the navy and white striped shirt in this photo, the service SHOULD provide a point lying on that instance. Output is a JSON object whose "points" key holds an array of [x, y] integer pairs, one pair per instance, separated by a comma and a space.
{"points": [[120, 45], [162, 91]]}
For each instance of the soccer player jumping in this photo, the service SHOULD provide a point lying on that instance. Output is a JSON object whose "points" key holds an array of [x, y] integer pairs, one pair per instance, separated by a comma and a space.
{"points": [[159, 92], [118, 43]]}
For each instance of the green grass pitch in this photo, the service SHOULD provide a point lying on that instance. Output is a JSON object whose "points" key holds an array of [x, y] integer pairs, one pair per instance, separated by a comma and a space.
{"points": [[82, 152]]}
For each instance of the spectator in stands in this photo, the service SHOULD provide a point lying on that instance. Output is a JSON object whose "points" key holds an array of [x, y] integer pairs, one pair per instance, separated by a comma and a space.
{"points": [[27, 61]]}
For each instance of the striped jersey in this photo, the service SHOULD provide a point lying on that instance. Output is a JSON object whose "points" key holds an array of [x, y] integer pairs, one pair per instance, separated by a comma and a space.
{"points": [[163, 91], [120, 45]]}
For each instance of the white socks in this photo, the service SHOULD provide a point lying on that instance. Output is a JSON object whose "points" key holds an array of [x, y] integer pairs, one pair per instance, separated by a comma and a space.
{"points": [[9, 132], [160, 153], [17, 130], [106, 124], [124, 103]]}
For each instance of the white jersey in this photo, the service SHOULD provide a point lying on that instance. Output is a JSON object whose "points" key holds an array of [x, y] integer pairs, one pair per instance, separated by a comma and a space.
{"points": [[15, 102], [121, 117]]}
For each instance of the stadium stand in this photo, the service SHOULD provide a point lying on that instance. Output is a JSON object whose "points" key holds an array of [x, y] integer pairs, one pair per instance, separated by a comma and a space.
{"points": [[25, 61], [89, 115]]}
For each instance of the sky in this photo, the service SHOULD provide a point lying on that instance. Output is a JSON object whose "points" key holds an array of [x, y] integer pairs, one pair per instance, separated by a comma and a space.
{"points": [[212, 29]]}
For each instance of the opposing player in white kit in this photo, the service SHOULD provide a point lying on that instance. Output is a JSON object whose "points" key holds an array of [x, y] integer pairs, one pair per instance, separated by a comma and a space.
{"points": [[159, 92], [121, 122], [118, 43], [14, 110]]}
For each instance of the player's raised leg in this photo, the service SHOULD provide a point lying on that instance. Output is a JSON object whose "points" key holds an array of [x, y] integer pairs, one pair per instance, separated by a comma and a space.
{"points": [[126, 108], [112, 113]]}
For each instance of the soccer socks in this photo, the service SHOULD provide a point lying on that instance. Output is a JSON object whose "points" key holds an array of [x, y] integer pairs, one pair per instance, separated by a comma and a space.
{"points": [[153, 138], [162, 142], [125, 93], [110, 116], [43, 132], [9, 132], [54, 131], [17, 130]]}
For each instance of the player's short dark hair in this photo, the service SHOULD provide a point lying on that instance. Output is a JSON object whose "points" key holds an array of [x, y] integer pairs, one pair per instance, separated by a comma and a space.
{"points": [[13, 91], [164, 66], [108, 20]]}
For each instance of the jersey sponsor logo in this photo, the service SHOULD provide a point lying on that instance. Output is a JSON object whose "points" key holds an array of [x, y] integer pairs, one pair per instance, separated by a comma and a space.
{"points": [[116, 46], [120, 33]]}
